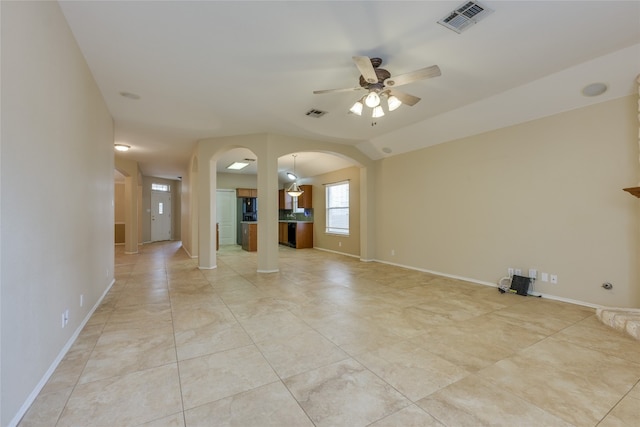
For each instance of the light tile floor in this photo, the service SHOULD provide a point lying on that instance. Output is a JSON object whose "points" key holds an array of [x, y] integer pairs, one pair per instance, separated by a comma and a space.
{"points": [[332, 341]]}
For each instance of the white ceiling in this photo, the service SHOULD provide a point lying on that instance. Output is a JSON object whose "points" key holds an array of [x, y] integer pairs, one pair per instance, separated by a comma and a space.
{"points": [[212, 68]]}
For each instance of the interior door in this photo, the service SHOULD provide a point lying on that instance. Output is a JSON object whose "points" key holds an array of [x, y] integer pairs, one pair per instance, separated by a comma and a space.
{"points": [[226, 216], [160, 216]]}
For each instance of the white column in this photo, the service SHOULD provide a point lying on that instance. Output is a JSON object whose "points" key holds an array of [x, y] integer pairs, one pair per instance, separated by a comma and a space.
{"points": [[268, 213]]}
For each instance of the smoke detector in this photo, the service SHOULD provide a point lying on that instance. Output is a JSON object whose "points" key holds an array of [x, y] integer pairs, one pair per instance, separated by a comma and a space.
{"points": [[466, 15]]}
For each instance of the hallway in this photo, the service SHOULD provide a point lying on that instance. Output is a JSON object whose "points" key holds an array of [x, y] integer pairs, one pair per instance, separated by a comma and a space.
{"points": [[332, 341]]}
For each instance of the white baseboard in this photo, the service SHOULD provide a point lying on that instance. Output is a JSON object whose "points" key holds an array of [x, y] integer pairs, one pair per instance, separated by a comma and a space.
{"points": [[43, 381], [189, 254], [336, 252], [495, 285]]}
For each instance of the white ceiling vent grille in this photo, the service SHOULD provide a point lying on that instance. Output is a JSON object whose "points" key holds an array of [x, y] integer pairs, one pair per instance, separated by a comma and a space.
{"points": [[466, 15], [315, 113]]}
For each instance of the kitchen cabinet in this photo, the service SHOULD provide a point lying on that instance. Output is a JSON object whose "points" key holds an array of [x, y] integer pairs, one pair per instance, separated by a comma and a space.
{"points": [[250, 236], [305, 199], [285, 201], [283, 233], [246, 192], [296, 234], [304, 235]]}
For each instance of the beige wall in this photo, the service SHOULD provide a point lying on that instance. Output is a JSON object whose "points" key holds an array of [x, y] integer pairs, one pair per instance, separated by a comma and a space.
{"points": [[545, 194], [57, 194], [230, 180], [349, 245]]}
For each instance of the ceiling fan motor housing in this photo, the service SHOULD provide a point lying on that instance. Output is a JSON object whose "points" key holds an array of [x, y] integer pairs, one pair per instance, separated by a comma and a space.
{"points": [[382, 75]]}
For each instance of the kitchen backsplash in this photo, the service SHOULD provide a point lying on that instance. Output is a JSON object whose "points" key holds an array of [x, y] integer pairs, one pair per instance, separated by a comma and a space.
{"points": [[289, 215]]}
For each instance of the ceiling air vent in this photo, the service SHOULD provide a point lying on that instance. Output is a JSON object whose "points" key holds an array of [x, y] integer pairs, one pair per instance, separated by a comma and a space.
{"points": [[466, 15], [315, 113]]}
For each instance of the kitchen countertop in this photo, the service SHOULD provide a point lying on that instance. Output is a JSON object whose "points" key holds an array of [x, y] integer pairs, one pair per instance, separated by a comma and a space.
{"points": [[294, 220]]}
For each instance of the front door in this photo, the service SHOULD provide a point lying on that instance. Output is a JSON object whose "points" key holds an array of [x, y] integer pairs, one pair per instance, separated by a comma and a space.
{"points": [[160, 216]]}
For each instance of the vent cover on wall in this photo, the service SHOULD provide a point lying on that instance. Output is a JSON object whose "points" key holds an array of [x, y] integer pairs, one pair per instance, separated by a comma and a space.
{"points": [[466, 15], [315, 113]]}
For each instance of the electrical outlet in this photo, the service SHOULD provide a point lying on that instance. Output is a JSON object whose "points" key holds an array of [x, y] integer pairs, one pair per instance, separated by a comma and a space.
{"points": [[64, 320], [339, 244], [544, 277], [393, 252], [533, 273], [518, 272], [510, 271], [554, 279], [81, 300], [66, 317]]}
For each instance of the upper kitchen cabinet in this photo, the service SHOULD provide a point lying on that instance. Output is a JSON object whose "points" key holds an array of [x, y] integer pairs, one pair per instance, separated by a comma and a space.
{"points": [[305, 199], [285, 201], [246, 192]]}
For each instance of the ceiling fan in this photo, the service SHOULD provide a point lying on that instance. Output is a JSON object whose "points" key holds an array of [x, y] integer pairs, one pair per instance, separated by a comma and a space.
{"points": [[379, 83]]}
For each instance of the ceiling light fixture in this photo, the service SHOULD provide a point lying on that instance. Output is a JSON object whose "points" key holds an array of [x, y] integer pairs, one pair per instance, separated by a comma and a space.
{"points": [[594, 89], [373, 99], [357, 108], [393, 102], [121, 147], [294, 190], [237, 165], [291, 176], [377, 112]]}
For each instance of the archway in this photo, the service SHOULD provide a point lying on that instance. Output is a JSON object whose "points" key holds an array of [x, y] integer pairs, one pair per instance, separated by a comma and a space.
{"points": [[268, 149]]}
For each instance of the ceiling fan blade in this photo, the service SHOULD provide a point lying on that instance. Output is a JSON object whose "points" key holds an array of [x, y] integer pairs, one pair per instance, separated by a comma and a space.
{"points": [[406, 99], [366, 68], [349, 89], [403, 79]]}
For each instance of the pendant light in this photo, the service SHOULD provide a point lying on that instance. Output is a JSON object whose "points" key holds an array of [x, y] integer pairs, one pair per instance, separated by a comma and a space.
{"points": [[294, 190]]}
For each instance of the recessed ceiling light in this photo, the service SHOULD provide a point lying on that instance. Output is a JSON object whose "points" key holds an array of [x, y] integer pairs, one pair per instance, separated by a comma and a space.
{"points": [[237, 165], [386, 150], [594, 89], [122, 147], [130, 95]]}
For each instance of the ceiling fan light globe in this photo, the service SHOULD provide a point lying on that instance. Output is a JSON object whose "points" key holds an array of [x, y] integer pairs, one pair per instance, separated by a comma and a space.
{"points": [[291, 176], [377, 112], [357, 108], [372, 100], [393, 103]]}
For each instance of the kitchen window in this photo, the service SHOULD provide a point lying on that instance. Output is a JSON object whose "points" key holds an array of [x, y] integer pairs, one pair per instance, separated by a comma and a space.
{"points": [[337, 203]]}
